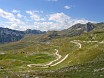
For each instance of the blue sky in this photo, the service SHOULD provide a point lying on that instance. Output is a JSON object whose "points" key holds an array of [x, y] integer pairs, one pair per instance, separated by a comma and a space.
{"points": [[49, 14]]}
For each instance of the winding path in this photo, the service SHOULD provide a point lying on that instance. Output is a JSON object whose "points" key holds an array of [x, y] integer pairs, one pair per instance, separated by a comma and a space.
{"points": [[49, 64], [77, 43], [58, 58], [61, 60]]}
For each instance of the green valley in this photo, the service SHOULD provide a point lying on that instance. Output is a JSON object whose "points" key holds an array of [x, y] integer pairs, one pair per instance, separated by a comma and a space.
{"points": [[76, 52]]}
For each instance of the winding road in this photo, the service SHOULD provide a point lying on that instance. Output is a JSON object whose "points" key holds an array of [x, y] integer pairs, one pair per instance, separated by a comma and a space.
{"points": [[58, 61], [50, 63], [61, 60], [77, 43]]}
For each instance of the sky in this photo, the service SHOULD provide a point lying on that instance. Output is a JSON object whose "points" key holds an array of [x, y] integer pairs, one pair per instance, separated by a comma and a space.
{"points": [[47, 15]]}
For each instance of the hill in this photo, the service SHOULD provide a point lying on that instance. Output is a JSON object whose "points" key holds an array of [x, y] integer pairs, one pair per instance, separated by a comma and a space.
{"points": [[9, 35], [55, 54]]}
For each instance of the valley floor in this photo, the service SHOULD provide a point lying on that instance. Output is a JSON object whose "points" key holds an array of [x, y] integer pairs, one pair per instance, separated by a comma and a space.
{"points": [[59, 58]]}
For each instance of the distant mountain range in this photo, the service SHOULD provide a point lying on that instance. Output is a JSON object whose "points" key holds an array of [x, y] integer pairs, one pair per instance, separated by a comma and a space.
{"points": [[75, 30], [9, 35]]}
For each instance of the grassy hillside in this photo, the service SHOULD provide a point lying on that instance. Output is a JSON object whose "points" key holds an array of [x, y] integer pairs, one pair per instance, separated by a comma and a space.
{"points": [[70, 57]]}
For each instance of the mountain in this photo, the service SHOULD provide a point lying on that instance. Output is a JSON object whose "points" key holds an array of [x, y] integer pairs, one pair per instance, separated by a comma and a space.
{"points": [[29, 31], [56, 54], [77, 29], [9, 35]]}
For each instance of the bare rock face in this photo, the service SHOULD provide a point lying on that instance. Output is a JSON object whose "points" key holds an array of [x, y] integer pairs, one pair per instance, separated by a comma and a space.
{"points": [[9, 35], [89, 27]]}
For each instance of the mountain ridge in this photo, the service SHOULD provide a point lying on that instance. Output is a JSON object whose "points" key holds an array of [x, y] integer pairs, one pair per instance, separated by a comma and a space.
{"points": [[9, 35]]}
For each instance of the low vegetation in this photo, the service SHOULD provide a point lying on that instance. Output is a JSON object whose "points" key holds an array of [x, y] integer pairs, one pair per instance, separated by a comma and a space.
{"points": [[85, 56]]}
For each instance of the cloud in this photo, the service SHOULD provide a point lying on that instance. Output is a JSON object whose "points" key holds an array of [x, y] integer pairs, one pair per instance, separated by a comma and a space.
{"points": [[59, 17], [9, 16], [55, 21], [45, 26], [19, 15], [16, 11], [14, 22], [65, 19], [14, 26], [58, 21], [34, 15], [67, 7]]}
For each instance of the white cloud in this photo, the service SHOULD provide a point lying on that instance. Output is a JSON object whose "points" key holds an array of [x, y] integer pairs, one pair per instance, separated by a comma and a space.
{"points": [[82, 21], [44, 26], [34, 15], [14, 23], [65, 19], [9, 16], [67, 7], [14, 26], [58, 21], [55, 21], [16, 11], [59, 17], [19, 15]]}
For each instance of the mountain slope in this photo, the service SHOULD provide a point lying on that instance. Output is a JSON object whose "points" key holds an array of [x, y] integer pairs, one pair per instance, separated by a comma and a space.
{"points": [[77, 29], [9, 35], [81, 56]]}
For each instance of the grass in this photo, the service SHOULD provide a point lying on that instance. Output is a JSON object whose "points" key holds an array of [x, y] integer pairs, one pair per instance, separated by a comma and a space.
{"points": [[80, 63], [10, 60], [87, 70]]}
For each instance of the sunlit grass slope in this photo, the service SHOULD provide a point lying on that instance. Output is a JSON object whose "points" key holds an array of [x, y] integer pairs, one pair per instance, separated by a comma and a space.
{"points": [[83, 62]]}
